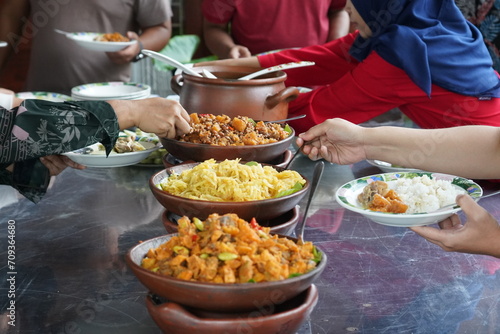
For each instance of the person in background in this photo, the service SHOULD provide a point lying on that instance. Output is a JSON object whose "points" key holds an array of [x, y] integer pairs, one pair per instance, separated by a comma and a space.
{"points": [[36, 132], [57, 63], [485, 15], [457, 150], [421, 57], [237, 29]]}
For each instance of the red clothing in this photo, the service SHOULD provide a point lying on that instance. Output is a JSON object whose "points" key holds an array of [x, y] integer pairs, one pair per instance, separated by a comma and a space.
{"points": [[358, 91], [265, 25]]}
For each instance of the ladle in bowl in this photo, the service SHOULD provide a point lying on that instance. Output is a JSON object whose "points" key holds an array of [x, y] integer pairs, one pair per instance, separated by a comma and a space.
{"points": [[277, 68], [170, 61], [318, 171]]}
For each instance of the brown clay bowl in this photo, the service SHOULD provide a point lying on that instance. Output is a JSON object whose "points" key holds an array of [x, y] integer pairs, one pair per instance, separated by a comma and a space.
{"points": [[284, 224], [201, 152], [170, 160], [260, 210], [227, 298], [285, 318]]}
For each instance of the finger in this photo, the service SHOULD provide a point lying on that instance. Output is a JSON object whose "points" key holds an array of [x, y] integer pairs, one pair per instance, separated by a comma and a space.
{"points": [[71, 163], [430, 233], [53, 167]]}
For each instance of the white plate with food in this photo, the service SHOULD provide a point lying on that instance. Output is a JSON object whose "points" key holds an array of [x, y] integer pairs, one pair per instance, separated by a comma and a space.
{"points": [[99, 41], [95, 155], [423, 194], [387, 167], [113, 90], [48, 96]]}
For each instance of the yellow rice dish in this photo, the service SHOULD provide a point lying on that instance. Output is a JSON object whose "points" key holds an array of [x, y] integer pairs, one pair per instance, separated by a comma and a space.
{"points": [[231, 181], [228, 249]]}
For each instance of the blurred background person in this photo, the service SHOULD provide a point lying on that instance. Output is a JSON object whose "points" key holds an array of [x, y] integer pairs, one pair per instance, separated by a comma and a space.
{"points": [[237, 29], [485, 15], [57, 64]]}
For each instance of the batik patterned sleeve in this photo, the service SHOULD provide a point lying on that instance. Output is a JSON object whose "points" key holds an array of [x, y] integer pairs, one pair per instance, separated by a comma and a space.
{"points": [[38, 128]]}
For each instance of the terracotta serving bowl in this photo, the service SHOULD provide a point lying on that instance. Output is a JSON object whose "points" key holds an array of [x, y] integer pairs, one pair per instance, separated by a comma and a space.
{"points": [[284, 224], [260, 210], [169, 160], [285, 318], [228, 298], [201, 152], [265, 98]]}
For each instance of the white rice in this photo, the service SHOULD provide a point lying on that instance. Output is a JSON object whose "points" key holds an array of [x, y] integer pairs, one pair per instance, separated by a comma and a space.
{"points": [[423, 194]]}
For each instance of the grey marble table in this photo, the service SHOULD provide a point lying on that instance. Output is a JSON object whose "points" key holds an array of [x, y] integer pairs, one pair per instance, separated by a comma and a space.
{"points": [[70, 275]]}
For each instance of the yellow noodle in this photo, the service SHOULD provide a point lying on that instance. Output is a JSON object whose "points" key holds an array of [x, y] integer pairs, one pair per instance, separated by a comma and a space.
{"points": [[230, 181]]}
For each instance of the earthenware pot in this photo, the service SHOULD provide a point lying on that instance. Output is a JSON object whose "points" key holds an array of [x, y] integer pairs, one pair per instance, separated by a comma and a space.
{"points": [[265, 98]]}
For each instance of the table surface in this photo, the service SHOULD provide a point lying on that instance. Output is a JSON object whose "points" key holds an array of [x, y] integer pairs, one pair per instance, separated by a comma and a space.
{"points": [[71, 277]]}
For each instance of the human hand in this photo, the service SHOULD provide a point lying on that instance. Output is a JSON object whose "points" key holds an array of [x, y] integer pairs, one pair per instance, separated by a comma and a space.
{"points": [[57, 163], [127, 54], [165, 118], [238, 51], [480, 234], [335, 140]]}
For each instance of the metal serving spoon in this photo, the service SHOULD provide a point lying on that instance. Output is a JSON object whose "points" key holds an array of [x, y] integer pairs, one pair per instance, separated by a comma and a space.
{"points": [[170, 61], [277, 68], [318, 171]]}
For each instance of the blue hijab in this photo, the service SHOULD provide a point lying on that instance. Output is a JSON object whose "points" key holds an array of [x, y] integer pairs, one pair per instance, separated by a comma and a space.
{"points": [[431, 41]]}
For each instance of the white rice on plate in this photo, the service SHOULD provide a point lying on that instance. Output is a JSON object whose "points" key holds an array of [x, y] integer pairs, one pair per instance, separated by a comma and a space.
{"points": [[423, 194]]}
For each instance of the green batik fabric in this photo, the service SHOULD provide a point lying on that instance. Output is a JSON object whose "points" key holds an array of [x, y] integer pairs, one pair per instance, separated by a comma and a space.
{"points": [[38, 128]]}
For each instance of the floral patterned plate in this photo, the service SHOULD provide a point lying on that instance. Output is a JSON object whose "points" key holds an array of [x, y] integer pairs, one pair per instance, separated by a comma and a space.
{"points": [[94, 156], [347, 196], [54, 97], [390, 168], [113, 90]]}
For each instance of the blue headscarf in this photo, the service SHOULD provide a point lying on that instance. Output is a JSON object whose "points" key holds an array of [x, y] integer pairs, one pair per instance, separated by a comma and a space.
{"points": [[431, 41]]}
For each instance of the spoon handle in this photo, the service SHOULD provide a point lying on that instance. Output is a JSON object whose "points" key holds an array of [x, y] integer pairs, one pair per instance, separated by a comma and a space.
{"points": [[318, 171], [277, 68], [170, 61]]}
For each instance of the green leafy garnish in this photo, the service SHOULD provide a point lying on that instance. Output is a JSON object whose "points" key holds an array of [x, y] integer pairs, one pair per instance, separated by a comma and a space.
{"points": [[317, 255], [252, 163], [252, 121], [251, 280], [288, 129], [294, 275], [296, 187]]}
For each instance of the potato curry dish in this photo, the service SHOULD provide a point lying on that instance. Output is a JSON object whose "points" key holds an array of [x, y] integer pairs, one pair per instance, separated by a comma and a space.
{"points": [[113, 37], [377, 196], [228, 249], [222, 130]]}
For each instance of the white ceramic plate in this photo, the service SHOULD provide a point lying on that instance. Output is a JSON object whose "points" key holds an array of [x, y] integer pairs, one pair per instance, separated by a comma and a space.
{"points": [[86, 40], [347, 196], [114, 90], [54, 97], [390, 168], [99, 159]]}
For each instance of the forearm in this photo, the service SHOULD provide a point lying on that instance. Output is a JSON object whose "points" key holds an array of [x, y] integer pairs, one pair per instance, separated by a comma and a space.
{"points": [[156, 37], [339, 24], [35, 132], [11, 12], [457, 151], [218, 40]]}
